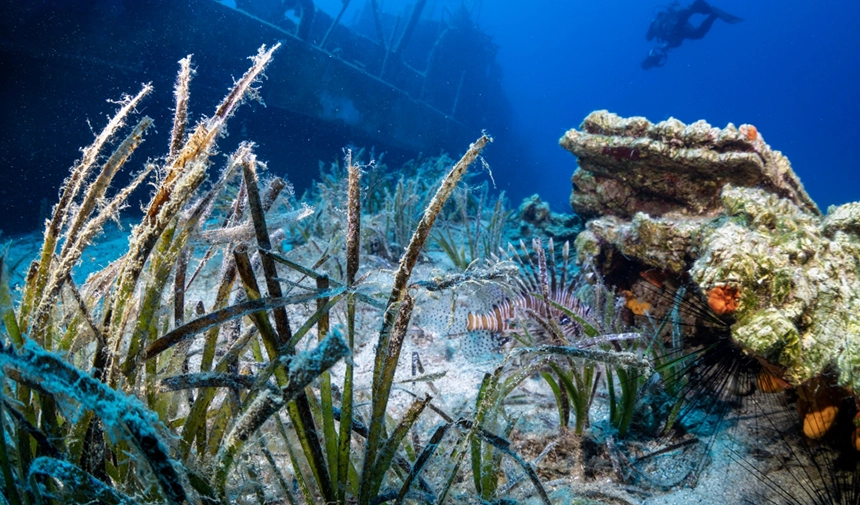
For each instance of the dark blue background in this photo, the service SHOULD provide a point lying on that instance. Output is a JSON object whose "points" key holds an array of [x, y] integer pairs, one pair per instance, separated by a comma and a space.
{"points": [[791, 68]]}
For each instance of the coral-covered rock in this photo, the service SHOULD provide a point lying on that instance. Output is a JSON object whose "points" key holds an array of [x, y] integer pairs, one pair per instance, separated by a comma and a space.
{"points": [[663, 243], [723, 209], [797, 281], [844, 218], [536, 220], [631, 165]]}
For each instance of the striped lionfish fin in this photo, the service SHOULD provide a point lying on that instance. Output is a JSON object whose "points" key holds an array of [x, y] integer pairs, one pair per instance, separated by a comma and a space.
{"points": [[529, 299], [496, 320]]}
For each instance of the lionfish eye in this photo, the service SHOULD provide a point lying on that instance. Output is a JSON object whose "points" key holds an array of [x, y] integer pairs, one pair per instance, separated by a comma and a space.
{"points": [[564, 320]]}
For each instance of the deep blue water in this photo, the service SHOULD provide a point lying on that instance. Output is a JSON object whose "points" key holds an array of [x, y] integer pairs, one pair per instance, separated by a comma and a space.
{"points": [[791, 68]]}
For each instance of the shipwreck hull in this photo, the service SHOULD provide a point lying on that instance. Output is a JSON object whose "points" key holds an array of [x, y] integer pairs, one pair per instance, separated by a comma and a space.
{"points": [[61, 60]]}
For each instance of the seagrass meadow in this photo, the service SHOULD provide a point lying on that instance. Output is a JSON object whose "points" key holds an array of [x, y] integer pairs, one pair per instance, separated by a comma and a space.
{"points": [[391, 336]]}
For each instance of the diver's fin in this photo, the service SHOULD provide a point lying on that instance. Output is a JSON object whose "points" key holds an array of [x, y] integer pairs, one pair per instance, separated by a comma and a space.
{"points": [[725, 16]]}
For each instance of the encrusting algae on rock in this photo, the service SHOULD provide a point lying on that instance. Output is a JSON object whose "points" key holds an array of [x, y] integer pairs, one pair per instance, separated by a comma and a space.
{"points": [[722, 208], [798, 284]]}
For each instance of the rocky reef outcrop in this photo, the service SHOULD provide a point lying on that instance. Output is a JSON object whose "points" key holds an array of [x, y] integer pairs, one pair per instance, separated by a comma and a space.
{"points": [[629, 165], [536, 219], [719, 207]]}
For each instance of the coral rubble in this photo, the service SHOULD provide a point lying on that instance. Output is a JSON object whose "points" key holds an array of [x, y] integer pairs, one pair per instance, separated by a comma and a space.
{"points": [[724, 209]]}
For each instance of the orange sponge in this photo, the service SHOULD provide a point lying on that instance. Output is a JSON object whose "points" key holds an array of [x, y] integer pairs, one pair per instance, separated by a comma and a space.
{"points": [[723, 299]]}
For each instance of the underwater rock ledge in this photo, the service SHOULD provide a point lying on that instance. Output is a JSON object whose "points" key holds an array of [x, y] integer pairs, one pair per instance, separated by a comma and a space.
{"points": [[723, 209], [629, 165]]}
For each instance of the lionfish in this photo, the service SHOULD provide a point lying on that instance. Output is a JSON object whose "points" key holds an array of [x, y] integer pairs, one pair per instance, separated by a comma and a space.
{"points": [[540, 281]]}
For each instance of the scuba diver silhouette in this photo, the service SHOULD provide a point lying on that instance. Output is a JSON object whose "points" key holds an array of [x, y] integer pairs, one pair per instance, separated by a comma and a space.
{"points": [[672, 26]]}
